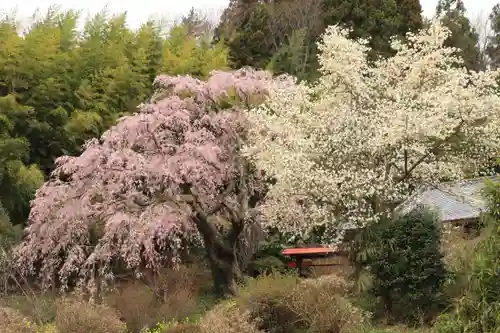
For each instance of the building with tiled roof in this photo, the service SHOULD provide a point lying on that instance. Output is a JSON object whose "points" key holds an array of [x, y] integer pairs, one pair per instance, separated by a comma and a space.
{"points": [[459, 202]]}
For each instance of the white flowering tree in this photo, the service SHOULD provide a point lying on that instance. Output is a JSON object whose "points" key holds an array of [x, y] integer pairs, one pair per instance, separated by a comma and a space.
{"points": [[346, 150]]}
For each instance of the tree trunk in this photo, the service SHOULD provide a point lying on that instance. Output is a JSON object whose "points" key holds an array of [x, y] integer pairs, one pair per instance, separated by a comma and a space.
{"points": [[221, 247], [221, 253], [225, 271], [387, 299]]}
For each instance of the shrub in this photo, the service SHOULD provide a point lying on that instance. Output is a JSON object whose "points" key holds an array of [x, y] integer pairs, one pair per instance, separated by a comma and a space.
{"points": [[135, 303], [266, 298], [184, 328], [407, 268], [478, 310], [12, 321], [75, 316], [173, 326], [267, 259], [10, 235], [172, 295], [458, 250], [266, 265], [283, 304], [228, 318], [38, 308], [323, 309]]}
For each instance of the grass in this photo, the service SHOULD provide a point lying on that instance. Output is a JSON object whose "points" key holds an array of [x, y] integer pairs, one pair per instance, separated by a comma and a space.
{"points": [[271, 304]]}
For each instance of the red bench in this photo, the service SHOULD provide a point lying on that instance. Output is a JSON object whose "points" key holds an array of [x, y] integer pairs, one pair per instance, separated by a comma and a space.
{"points": [[302, 257]]}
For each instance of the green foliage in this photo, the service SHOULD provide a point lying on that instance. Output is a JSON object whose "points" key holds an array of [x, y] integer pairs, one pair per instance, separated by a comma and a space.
{"points": [[407, 267], [186, 54], [296, 56], [463, 36], [493, 196], [493, 47], [478, 310], [10, 234], [266, 265], [18, 181], [281, 35], [59, 87], [174, 326], [245, 29], [377, 20], [268, 258]]}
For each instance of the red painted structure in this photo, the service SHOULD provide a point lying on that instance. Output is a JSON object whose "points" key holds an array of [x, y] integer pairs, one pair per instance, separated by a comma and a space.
{"points": [[308, 251], [301, 254]]}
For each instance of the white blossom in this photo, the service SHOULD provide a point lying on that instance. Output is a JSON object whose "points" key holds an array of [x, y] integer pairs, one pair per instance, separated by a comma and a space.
{"points": [[368, 133]]}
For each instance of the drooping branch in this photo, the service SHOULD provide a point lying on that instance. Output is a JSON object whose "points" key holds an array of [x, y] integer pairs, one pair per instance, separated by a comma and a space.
{"points": [[156, 180]]}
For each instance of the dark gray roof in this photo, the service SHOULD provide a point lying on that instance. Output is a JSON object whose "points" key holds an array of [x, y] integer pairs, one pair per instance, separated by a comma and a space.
{"points": [[451, 200]]}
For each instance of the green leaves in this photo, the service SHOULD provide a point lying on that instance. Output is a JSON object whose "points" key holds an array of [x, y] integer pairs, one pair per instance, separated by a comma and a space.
{"points": [[60, 87], [463, 36], [493, 47], [407, 267], [478, 310]]}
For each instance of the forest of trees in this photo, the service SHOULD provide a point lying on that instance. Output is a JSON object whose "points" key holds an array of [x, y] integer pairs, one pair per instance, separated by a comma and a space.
{"points": [[125, 151], [60, 86]]}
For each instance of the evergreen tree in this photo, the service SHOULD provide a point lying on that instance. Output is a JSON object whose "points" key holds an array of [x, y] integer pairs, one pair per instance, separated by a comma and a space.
{"points": [[377, 20], [60, 87], [282, 34], [408, 268], [463, 36], [245, 28], [493, 47], [295, 27]]}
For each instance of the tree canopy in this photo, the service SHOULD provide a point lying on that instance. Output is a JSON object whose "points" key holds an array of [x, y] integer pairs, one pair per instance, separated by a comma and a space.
{"points": [[60, 87], [282, 35], [493, 47], [464, 36], [344, 152], [157, 180], [378, 21], [343, 124]]}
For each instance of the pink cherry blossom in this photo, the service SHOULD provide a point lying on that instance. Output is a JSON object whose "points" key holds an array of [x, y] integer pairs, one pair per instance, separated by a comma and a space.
{"points": [[135, 196]]}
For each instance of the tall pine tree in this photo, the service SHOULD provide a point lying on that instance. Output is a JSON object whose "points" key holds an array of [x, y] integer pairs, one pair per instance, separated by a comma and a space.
{"points": [[453, 15], [377, 20], [493, 47], [282, 34]]}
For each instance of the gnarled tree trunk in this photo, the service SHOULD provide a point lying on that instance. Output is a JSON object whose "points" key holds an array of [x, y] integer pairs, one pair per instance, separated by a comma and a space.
{"points": [[221, 254]]}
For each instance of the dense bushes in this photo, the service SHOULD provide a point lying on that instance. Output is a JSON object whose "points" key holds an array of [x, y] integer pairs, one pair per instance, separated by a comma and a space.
{"points": [[74, 316], [407, 268], [13, 322], [284, 303], [228, 318], [478, 309], [267, 299], [171, 296], [405, 264]]}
